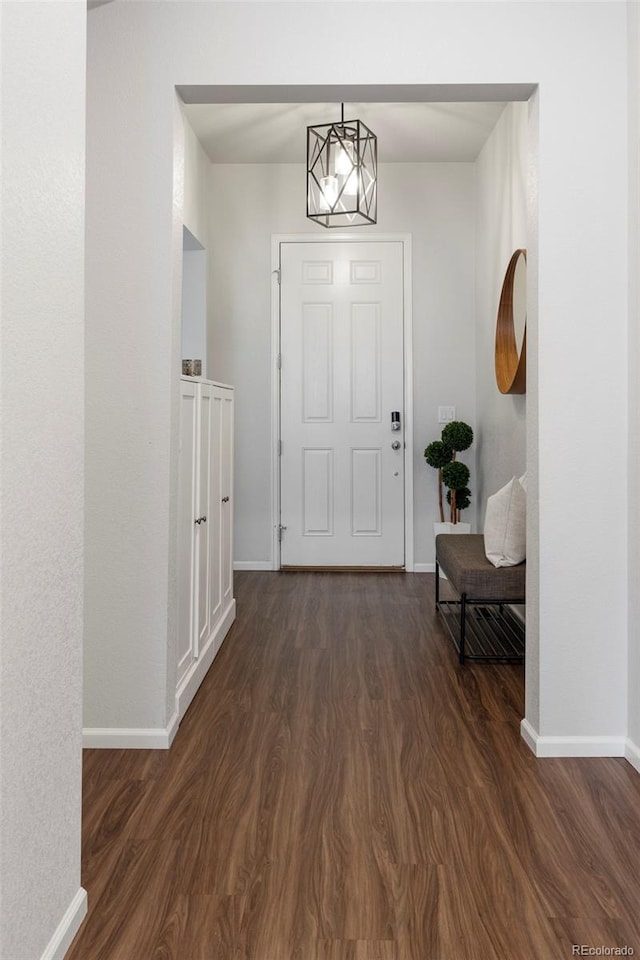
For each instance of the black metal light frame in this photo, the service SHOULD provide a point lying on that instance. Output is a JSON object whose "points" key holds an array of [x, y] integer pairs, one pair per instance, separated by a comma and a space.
{"points": [[332, 200]]}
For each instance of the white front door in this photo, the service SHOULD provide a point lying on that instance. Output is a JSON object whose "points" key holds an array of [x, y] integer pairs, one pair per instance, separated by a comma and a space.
{"points": [[342, 378]]}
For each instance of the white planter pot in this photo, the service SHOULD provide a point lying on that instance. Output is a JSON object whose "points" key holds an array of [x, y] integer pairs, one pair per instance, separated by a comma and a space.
{"points": [[449, 527]]}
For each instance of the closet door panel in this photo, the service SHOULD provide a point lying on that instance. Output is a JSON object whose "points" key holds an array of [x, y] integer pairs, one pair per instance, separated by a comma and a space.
{"points": [[226, 535], [203, 515], [206, 607], [186, 513], [215, 480]]}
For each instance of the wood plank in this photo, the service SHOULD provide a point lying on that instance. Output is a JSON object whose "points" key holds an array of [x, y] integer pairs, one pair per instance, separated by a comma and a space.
{"points": [[341, 789]]}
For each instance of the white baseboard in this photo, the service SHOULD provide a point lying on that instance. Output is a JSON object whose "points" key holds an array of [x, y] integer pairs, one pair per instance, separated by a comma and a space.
{"points": [[161, 738], [253, 565], [172, 727], [428, 568], [196, 673], [529, 735], [572, 746], [632, 754], [130, 738], [67, 928]]}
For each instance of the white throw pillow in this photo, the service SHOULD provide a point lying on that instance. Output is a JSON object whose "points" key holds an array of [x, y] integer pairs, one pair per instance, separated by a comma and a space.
{"points": [[505, 526]]}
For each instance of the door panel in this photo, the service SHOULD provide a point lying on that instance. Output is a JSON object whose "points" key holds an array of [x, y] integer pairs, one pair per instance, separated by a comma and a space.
{"points": [[317, 481], [342, 374], [186, 514], [204, 509], [366, 483], [366, 402], [317, 362], [215, 479], [226, 490]]}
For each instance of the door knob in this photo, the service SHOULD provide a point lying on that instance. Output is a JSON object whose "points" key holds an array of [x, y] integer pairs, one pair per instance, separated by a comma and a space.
{"points": [[395, 444]]}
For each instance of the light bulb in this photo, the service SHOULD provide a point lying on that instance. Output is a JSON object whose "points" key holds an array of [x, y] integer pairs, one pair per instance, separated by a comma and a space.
{"points": [[329, 188], [344, 159]]}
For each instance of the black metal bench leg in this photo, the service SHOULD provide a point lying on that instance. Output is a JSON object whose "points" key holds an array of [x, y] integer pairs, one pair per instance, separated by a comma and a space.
{"points": [[463, 624], [437, 584]]}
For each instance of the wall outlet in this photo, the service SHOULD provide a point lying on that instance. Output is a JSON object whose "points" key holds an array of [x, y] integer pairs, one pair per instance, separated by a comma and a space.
{"points": [[446, 414]]}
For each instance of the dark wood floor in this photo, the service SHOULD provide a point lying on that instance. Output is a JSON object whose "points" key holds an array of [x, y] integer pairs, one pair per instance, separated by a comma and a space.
{"points": [[342, 790]]}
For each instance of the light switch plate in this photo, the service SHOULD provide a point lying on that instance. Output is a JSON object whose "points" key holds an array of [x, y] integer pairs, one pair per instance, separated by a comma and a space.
{"points": [[446, 414]]}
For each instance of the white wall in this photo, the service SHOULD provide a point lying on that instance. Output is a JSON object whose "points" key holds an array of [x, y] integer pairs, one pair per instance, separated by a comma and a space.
{"points": [[501, 228], [506, 203], [41, 490], [138, 51], [196, 182], [582, 310], [534, 638], [634, 386], [194, 303], [130, 624], [132, 356], [249, 203]]}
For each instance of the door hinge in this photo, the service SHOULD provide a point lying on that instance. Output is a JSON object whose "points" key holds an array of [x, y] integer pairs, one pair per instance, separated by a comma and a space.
{"points": [[279, 448], [279, 361], [278, 276], [281, 530]]}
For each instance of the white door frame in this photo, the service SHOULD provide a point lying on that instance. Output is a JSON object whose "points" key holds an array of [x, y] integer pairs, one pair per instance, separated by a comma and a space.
{"points": [[338, 236]]}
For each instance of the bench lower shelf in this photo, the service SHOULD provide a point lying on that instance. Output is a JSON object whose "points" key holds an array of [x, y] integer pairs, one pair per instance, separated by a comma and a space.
{"points": [[492, 631]]}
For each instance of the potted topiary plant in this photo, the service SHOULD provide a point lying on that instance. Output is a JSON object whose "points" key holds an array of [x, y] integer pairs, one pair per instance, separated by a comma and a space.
{"points": [[452, 473]]}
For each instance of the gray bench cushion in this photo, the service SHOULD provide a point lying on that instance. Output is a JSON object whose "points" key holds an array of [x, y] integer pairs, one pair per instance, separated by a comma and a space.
{"points": [[462, 557]]}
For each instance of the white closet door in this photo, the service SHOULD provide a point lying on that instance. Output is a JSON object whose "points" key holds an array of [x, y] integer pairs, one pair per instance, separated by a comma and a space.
{"points": [[215, 574], [226, 489], [203, 514], [186, 531], [206, 607]]}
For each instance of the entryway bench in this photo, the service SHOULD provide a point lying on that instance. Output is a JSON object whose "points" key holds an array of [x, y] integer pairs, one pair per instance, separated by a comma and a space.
{"points": [[480, 621]]}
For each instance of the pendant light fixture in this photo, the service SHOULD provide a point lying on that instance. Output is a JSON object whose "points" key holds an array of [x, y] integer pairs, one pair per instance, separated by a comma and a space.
{"points": [[342, 168]]}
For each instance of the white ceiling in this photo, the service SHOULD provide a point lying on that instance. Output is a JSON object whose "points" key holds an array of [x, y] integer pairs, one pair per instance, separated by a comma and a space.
{"points": [[406, 132]]}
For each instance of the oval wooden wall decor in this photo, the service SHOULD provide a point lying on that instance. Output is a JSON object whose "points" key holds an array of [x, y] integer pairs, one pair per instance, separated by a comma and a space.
{"points": [[511, 366]]}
